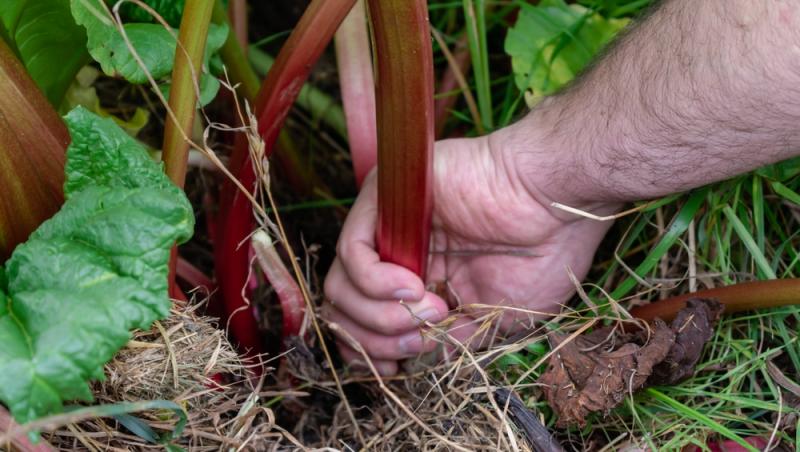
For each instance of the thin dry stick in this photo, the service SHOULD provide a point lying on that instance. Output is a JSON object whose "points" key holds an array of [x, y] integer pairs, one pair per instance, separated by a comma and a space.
{"points": [[592, 216], [663, 263], [205, 150], [502, 414], [692, 258], [312, 314], [777, 423], [582, 293], [170, 352]]}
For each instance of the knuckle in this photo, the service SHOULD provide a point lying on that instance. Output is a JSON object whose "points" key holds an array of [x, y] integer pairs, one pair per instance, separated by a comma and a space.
{"points": [[344, 249]]}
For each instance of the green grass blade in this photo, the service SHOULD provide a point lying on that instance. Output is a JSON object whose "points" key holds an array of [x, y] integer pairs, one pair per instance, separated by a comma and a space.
{"points": [[699, 417], [475, 16], [747, 239], [786, 192], [678, 226], [758, 211]]}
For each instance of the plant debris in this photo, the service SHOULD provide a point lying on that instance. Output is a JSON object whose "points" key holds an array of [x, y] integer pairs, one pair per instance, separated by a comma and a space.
{"points": [[537, 434], [594, 372]]}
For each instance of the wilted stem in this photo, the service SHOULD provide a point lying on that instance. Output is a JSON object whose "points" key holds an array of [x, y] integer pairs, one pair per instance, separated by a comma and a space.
{"points": [[286, 289], [736, 298]]}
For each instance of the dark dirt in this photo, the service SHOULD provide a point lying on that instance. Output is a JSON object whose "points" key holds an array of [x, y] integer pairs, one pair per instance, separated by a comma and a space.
{"points": [[596, 371]]}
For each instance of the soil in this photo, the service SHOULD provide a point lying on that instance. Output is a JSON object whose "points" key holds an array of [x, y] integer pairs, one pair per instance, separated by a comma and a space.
{"points": [[596, 371]]}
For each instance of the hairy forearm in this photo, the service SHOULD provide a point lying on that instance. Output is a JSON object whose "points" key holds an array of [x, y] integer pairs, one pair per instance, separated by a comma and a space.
{"points": [[697, 92]]}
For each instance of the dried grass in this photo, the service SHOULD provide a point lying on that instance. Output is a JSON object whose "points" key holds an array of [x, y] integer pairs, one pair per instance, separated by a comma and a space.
{"points": [[449, 406], [182, 359]]}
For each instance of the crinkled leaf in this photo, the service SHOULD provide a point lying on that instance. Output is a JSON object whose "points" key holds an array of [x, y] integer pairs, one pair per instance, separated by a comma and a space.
{"points": [[154, 44], [90, 274], [45, 37], [552, 42], [101, 154]]}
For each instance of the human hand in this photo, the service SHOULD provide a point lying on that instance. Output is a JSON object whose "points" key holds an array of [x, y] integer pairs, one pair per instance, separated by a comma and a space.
{"points": [[495, 241]]}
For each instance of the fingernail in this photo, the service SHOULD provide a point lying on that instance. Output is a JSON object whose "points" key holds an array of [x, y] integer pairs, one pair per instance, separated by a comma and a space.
{"points": [[410, 343], [404, 294], [429, 315]]}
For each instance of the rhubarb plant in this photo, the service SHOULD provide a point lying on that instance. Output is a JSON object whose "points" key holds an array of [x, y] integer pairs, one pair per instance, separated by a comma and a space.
{"points": [[33, 140], [404, 93], [154, 44], [44, 35], [552, 42], [72, 293]]}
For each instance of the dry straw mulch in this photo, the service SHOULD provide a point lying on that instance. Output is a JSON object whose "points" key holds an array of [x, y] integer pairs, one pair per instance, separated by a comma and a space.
{"points": [[188, 360]]}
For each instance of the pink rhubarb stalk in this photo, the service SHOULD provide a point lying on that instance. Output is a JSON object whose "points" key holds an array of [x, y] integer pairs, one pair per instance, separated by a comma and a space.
{"points": [[404, 92], [286, 289], [19, 443], [354, 59], [33, 143]]}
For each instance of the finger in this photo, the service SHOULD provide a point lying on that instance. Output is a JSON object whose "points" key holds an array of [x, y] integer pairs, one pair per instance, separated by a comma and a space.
{"points": [[460, 334], [358, 364], [387, 317], [356, 250], [377, 345]]}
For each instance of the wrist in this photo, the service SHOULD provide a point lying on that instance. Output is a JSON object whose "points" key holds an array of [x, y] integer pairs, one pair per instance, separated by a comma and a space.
{"points": [[553, 170]]}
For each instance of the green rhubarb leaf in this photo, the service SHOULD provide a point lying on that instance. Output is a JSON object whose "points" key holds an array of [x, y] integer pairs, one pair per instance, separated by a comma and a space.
{"points": [[154, 44], [170, 10], [48, 41], [552, 42], [90, 274]]}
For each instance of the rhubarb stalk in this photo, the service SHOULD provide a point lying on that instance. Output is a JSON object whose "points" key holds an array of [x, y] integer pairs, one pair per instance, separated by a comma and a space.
{"points": [[736, 298], [278, 92], [404, 93], [184, 87], [286, 289], [33, 143], [354, 60]]}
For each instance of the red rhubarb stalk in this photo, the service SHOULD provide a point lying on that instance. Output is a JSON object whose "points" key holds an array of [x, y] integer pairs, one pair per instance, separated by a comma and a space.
{"points": [[736, 298], [354, 60], [33, 143], [19, 443], [404, 93], [278, 92]]}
